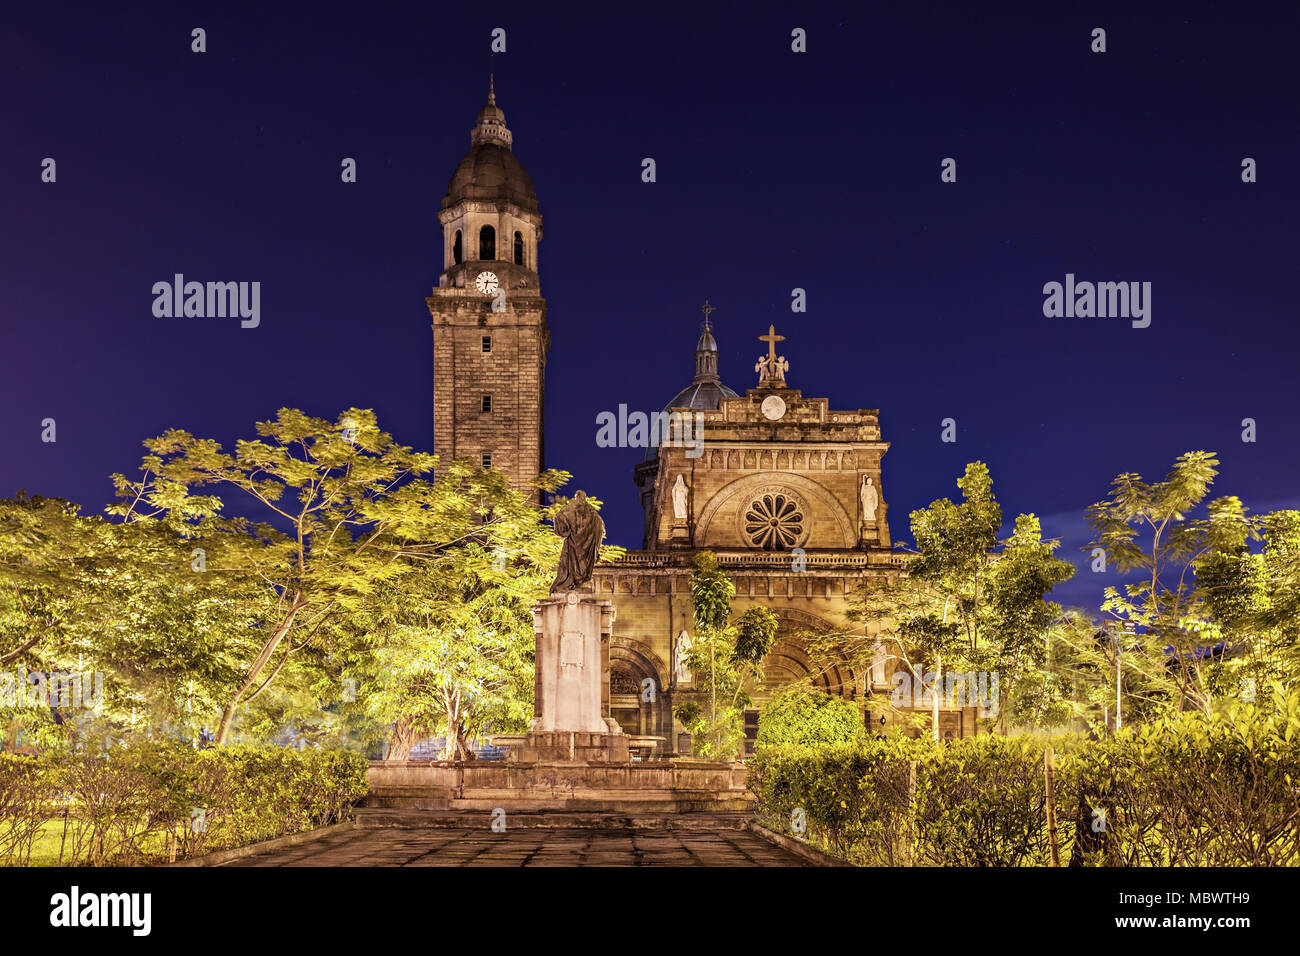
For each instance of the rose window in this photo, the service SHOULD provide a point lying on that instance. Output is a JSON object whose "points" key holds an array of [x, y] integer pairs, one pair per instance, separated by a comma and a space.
{"points": [[774, 522]]}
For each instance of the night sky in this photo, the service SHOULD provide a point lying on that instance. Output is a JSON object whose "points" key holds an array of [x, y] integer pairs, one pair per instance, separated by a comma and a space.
{"points": [[775, 170]]}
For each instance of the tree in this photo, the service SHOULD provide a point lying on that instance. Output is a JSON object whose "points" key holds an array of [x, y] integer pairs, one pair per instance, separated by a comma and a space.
{"points": [[49, 555], [1019, 615], [726, 657], [1254, 600], [967, 600], [449, 648], [955, 544], [346, 510], [1075, 682], [1144, 527], [117, 605]]}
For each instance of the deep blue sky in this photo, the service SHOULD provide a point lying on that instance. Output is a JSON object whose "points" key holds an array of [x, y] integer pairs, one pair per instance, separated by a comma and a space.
{"points": [[775, 170]]}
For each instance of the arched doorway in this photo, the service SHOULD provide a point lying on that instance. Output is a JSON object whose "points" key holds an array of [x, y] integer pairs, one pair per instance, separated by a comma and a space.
{"points": [[637, 698], [789, 660]]}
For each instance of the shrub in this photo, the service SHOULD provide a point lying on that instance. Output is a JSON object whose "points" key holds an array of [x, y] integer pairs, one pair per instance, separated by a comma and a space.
{"points": [[1198, 790], [26, 803], [803, 715], [1192, 790], [150, 801]]}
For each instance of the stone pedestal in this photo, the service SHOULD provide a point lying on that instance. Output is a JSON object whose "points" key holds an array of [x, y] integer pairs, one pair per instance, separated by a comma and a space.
{"points": [[571, 718], [572, 664], [680, 535], [574, 768]]}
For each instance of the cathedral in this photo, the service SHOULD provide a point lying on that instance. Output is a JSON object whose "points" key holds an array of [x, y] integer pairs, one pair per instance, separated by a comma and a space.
{"points": [[784, 489]]}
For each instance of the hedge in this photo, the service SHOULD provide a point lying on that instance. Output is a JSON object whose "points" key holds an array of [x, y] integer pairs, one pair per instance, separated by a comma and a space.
{"points": [[152, 802], [1194, 790]]}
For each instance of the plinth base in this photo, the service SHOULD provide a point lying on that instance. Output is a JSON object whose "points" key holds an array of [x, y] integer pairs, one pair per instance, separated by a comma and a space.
{"points": [[660, 787]]}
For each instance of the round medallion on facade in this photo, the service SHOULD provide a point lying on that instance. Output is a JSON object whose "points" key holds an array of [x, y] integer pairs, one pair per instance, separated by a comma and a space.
{"points": [[773, 407], [775, 520]]}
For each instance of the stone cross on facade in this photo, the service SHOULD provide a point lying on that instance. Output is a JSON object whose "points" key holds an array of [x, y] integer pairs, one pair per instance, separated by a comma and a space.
{"points": [[771, 368]]}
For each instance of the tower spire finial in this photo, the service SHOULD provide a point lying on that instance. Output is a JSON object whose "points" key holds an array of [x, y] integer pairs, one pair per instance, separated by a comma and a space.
{"points": [[491, 126], [706, 309], [706, 350]]}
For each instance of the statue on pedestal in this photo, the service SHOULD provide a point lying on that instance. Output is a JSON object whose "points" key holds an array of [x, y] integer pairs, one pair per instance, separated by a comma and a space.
{"points": [[582, 529]]}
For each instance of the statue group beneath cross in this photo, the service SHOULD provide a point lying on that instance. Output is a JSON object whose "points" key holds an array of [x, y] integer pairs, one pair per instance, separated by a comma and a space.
{"points": [[771, 368]]}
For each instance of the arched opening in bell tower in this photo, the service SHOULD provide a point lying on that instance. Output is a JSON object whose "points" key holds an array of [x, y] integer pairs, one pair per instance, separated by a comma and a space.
{"points": [[487, 243]]}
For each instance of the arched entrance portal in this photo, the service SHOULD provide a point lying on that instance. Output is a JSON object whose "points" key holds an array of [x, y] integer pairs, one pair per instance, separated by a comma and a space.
{"points": [[789, 661], [636, 690]]}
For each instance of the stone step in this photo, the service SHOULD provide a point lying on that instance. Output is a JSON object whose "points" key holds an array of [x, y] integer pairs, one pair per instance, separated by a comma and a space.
{"points": [[377, 818]]}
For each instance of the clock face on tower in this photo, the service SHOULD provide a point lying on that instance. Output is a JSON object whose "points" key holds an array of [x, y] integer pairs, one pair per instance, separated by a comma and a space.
{"points": [[486, 283], [773, 407]]}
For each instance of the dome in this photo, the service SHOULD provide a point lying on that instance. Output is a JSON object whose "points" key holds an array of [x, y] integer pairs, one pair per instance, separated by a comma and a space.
{"points": [[489, 172], [706, 391], [701, 396]]}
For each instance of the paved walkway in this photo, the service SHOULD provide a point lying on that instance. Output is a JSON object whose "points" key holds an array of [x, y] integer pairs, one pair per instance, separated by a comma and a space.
{"points": [[530, 847]]}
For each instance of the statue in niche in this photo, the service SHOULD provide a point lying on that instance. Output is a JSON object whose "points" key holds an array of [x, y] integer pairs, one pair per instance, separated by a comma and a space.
{"points": [[679, 658], [870, 498], [877, 668], [679, 498], [582, 529]]}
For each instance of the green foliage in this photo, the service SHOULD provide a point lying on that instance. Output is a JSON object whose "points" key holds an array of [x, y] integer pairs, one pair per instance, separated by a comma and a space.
{"points": [[453, 655], [711, 593], [141, 802], [1194, 789], [82, 594], [1156, 508], [800, 714], [343, 508], [714, 716], [953, 542], [755, 632], [355, 557], [1253, 600], [1200, 587], [962, 602]]}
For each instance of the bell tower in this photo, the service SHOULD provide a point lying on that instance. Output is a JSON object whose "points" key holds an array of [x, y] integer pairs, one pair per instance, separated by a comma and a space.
{"points": [[489, 317]]}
